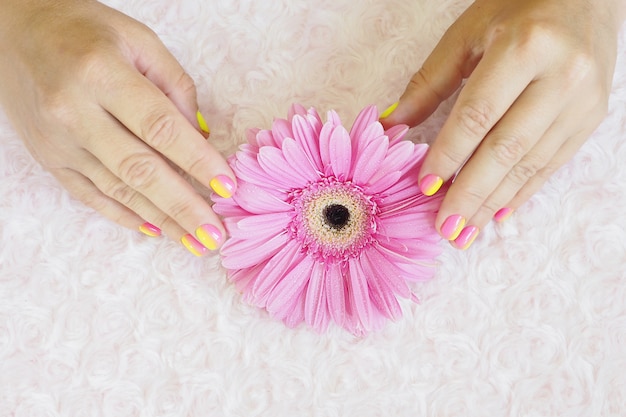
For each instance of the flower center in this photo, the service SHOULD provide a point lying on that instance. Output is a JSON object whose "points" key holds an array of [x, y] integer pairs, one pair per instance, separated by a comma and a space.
{"points": [[337, 216], [333, 220]]}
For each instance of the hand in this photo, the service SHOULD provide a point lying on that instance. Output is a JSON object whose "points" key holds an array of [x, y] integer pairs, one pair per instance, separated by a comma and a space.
{"points": [[538, 75], [102, 104]]}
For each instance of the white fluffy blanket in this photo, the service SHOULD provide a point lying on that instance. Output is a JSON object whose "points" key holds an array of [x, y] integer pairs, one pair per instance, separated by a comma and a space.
{"points": [[96, 320]]}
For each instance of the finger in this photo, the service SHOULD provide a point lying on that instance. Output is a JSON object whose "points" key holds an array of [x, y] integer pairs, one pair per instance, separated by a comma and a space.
{"points": [[439, 77], [162, 127], [163, 70], [495, 84], [501, 152], [146, 172], [81, 188], [111, 186], [560, 158]]}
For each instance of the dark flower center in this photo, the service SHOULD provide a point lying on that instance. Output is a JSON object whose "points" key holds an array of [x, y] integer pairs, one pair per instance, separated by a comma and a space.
{"points": [[336, 216]]}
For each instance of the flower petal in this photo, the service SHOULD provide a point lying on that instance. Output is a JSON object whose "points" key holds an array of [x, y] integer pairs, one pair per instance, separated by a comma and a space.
{"points": [[387, 271], [369, 159], [290, 287], [334, 283], [259, 225], [315, 307], [396, 133], [397, 158], [274, 270], [273, 161], [308, 138], [324, 146], [300, 161], [333, 118], [359, 294], [365, 118], [382, 296], [281, 129], [340, 153], [240, 253], [257, 200]]}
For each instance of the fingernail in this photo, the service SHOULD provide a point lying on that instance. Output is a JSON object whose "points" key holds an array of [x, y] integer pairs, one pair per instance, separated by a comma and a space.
{"points": [[389, 110], [452, 226], [430, 184], [149, 229], [223, 186], [466, 237], [202, 123], [209, 236], [193, 245], [503, 214]]}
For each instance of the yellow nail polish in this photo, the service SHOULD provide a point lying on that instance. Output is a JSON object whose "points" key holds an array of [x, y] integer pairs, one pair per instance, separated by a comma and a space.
{"points": [[430, 184], [149, 229], [193, 245], [223, 186], [389, 110], [209, 236], [202, 123]]}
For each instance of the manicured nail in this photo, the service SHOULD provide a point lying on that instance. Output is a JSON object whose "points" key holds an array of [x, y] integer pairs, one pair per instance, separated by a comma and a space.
{"points": [[430, 184], [202, 123], [193, 245], [466, 237], [223, 186], [389, 110], [149, 229], [503, 214], [209, 236], [452, 226]]}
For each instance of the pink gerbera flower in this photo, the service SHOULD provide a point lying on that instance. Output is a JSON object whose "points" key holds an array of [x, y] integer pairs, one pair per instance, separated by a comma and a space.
{"points": [[329, 225]]}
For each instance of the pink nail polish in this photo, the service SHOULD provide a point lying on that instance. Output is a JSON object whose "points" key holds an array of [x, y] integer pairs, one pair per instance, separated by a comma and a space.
{"points": [[193, 245], [223, 186], [430, 184], [502, 214], [452, 226], [466, 237], [149, 229], [209, 236]]}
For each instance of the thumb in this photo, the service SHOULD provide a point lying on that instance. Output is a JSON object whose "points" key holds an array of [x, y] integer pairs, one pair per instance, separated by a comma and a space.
{"points": [[158, 65], [439, 77]]}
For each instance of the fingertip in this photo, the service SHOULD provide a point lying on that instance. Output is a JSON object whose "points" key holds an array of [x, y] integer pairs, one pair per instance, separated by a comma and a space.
{"points": [[223, 185]]}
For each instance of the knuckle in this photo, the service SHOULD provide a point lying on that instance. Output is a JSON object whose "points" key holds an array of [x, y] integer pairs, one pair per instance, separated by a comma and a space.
{"points": [[159, 130], [139, 171], [179, 209], [523, 171], [507, 150], [548, 171], [186, 84], [121, 193], [475, 117]]}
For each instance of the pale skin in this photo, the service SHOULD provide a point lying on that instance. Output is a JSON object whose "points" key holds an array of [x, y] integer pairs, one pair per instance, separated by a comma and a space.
{"points": [[102, 104]]}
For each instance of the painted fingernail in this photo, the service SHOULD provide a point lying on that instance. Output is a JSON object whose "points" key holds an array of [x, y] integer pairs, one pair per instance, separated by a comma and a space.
{"points": [[389, 110], [452, 226], [202, 123], [503, 214], [466, 237], [430, 184], [149, 229], [223, 186], [193, 245], [209, 236]]}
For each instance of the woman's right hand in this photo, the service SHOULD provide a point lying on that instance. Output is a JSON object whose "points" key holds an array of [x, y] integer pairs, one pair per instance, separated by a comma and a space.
{"points": [[102, 104]]}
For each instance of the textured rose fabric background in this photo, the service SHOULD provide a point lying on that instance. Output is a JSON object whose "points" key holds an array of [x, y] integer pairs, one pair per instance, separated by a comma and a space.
{"points": [[96, 320]]}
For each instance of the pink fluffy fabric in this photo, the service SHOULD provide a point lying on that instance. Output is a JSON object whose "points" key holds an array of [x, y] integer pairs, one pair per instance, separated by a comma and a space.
{"points": [[101, 321]]}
